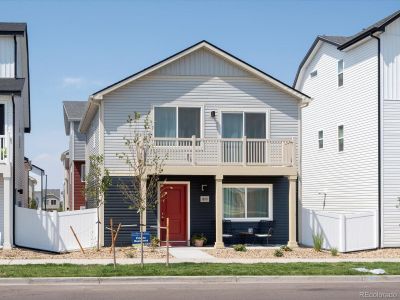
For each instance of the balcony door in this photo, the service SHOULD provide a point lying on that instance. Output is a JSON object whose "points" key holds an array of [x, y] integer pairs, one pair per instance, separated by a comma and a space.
{"points": [[3, 146], [236, 125]]}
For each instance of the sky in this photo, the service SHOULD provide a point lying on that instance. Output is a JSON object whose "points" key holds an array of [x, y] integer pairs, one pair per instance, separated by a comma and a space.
{"points": [[79, 47]]}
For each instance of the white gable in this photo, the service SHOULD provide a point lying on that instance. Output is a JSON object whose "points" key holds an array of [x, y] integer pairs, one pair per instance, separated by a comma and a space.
{"points": [[202, 62]]}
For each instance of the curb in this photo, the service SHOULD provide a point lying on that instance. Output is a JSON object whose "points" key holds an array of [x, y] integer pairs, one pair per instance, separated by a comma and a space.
{"points": [[193, 279]]}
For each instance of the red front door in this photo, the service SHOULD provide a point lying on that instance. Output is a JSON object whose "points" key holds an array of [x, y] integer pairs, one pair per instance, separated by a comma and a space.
{"points": [[173, 205]]}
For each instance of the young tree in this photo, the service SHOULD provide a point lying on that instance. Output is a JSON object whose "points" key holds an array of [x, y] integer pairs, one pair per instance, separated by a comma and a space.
{"points": [[97, 184], [144, 165]]}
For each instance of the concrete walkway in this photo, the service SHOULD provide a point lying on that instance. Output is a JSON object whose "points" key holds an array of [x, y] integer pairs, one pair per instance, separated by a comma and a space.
{"points": [[190, 254], [132, 261]]}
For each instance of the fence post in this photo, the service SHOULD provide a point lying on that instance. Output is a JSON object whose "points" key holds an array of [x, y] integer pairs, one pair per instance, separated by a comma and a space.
{"points": [[167, 238], [193, 149], [244, 149], [56, 236], [293, 153]]}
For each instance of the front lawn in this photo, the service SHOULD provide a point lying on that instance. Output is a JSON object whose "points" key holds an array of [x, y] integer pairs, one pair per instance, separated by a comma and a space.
{"points": [[191, 269]]}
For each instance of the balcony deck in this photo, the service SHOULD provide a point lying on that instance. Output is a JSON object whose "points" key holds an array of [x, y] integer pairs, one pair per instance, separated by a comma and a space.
{"points": [[212, 156]]}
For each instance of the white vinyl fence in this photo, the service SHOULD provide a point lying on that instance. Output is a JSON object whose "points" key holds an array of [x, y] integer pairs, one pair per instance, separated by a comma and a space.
{"points": [[345, 231], [51, 231]]}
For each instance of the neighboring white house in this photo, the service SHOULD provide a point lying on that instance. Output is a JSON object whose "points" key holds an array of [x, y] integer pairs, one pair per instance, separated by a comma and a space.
{"points": [[14, 123], [351, 129], [230, 133]]}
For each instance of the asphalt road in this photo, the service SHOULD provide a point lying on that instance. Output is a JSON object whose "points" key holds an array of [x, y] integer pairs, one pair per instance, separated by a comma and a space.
{"points": [[205, 291]]}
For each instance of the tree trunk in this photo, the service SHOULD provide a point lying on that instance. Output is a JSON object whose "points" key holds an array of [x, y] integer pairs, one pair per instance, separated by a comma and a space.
{"points": [[141, 238]]}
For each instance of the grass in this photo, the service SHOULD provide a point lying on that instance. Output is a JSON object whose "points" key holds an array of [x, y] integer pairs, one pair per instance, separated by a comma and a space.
{"points": [[191, 269]]}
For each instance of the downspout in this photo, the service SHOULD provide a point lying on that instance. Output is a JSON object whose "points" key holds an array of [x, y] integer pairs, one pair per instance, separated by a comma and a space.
{"points": [[379, 144]]}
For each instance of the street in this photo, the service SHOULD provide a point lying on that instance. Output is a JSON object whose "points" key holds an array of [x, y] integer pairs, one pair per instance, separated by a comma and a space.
{"points": [[167, 291]]}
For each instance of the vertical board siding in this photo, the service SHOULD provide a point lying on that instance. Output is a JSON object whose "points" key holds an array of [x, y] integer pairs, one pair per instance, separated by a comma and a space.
{"points": [[280, 196], [201, 62], [213, 93], [7, 68], [391, 174], [390, 52], [349, 178], [79, 143]]}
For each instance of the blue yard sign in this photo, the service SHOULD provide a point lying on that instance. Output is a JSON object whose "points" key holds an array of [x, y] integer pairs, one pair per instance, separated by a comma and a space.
{"points": [[136, 238]]}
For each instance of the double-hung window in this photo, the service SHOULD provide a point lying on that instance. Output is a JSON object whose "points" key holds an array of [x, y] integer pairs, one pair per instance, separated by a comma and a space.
{"points": [[340, 68], [321, 139], [340, 138], [252, 202], [177, 122]]}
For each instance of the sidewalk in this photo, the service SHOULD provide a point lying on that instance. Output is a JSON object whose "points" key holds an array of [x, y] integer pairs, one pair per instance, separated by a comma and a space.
{"points": [[130, 261]]}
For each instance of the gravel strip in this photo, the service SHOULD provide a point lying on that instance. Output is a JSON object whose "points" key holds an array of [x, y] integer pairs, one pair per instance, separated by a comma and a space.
{"points": [[120, 252], [306, 253]]}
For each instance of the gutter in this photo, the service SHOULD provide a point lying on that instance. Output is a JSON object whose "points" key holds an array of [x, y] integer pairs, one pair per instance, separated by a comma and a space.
{"points": [[379, 144]]}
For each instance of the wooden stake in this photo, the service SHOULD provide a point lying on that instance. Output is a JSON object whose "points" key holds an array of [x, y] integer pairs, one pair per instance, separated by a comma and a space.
{"points": [[116, 233], [77, 239], [112, 241], [167, 236]]}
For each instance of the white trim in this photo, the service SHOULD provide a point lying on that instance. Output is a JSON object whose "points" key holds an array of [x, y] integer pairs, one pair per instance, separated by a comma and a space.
{"points": [[243, 111], [187, 183], [177, 106], [208, 46], [246, 186]]}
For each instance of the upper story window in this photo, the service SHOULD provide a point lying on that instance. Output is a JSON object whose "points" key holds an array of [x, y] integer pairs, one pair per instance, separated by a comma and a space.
{"points": [[314, 74], [177, 122], [340, 138], [7, 57], [239, 124], [83, 173], [320, 139], [340, 69]]}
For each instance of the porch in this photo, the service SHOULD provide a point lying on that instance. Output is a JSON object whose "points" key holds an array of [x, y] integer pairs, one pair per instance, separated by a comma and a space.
{"points": [[204, 204]]}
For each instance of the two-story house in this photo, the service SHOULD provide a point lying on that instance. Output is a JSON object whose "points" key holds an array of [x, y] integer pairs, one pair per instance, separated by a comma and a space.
{"points": [[351, 129], [14, 123], [74, 158], [228, 133]]}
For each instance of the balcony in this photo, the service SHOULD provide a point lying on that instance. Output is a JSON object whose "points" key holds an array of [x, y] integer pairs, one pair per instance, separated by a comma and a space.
{"points": [[226, 152]]}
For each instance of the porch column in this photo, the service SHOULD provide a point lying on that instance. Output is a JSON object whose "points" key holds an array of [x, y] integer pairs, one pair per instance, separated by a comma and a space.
{"points": [[219, 243], [8, 214], [292, 243]]}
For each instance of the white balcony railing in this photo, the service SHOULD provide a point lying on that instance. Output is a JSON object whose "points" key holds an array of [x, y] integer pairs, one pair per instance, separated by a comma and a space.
{"points": [[213, 151], [3, 149]]}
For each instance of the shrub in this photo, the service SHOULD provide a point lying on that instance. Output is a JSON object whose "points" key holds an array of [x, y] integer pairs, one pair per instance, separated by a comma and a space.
{"points": [[130, 254], [334, 251], [278, 253], [154, 243], [240, 248], [318, 240], [286, 248]]}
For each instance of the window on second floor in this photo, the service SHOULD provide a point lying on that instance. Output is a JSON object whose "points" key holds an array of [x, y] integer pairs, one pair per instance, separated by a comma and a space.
{"points": [[320, 139], [177, 122], [239, 124], [53, 202], [83, 173], [7, 57], [340, 69], [314, 74], [340, 138]]}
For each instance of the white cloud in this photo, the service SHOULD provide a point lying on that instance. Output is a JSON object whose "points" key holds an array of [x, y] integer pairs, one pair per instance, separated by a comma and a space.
{"points": [[76, 82]]}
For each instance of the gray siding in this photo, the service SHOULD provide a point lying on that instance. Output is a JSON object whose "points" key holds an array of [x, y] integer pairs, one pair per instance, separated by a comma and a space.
{"points": [[202, 62], [79, 143], [213, 92]]}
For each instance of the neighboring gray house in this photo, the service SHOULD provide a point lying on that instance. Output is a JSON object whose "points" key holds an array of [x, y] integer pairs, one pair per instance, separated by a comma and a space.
{"points": [[15, 121], [351, 129], [74, 162], [230, 132]]}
